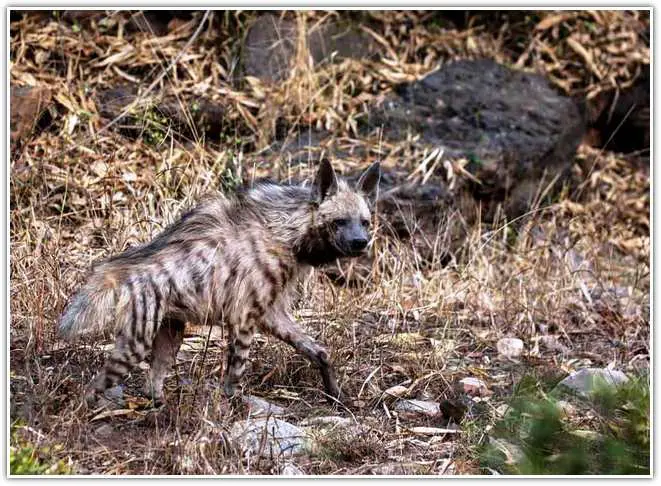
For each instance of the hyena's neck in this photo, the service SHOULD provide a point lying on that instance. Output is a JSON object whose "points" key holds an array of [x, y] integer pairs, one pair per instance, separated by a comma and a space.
{"points": [[292, 220], [285, 210]]}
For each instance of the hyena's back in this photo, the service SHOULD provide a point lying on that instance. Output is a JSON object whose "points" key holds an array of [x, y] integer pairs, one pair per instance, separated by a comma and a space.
{"points": [[206, 267]]}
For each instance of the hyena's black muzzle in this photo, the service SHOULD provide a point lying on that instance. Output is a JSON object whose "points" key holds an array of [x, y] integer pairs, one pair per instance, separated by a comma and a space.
{"points": [[352, 237]]}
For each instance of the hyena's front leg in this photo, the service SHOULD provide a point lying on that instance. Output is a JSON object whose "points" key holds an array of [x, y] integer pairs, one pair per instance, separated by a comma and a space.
{"points": [[238, 350], [163, 356], [283, 326]]}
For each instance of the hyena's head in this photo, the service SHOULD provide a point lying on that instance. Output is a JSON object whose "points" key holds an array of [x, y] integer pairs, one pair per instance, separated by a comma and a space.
{"points": [[341, 222]]}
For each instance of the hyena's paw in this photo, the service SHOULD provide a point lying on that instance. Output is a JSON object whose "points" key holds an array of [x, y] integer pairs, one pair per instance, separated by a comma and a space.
{"points": [[232, 390], [154, 393]]}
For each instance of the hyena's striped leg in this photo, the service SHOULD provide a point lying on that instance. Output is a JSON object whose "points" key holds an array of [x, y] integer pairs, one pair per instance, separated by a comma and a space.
{"points": [[134, 339], [163, 356], [284, 327], [237, 354], [128, 352]]}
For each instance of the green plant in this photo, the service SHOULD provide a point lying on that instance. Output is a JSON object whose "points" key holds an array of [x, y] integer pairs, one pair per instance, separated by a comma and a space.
{"points": [[537, 435], [27, 459]]}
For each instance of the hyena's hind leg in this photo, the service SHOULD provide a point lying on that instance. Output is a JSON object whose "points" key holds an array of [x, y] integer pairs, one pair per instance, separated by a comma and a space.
{"points": [[134, 338], [128, 352], [163, 356]]}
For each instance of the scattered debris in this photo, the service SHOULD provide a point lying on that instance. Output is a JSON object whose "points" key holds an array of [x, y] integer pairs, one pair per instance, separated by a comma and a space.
{"points": [[433, 430], [104, 431], [291, 469]]}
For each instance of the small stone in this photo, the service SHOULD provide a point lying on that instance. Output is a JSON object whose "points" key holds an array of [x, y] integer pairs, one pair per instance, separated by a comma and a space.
{"points": [[396, 391], [290, 469], [116, 392], [112, 398], [395, 469], [104, 431], [567, 408], [474, 387], [269, 437], [586, 381], [258, 407], [421, 407], [510, 347]]}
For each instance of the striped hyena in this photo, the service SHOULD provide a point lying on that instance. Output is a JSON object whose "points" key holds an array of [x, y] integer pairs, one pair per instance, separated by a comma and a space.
{"points": [[231, 260]]}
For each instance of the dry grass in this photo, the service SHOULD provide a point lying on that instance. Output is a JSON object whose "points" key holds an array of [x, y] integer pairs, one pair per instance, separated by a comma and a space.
{"points": [[577, 269]]}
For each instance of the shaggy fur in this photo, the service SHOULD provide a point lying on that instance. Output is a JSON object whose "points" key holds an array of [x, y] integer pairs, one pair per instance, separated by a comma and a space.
{"points": [[231, 261]]}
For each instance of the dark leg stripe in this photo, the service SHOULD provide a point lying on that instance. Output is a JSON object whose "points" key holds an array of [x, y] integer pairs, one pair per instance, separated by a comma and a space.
{"points": [[246, 332], [157, 306], [232, 275], [120, 361], [134, 308], [273, 295], [131, 344], [145, 311], [257, 310], [285, 272], [113, 375], [174, 292]]}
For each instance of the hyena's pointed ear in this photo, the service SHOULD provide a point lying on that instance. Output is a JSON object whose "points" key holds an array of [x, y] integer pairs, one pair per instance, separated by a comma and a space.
{"points": [[369, 180], [325, 183]]}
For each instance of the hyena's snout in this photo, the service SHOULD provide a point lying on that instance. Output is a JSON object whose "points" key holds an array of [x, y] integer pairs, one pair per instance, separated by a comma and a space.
{"points": [[358, 244], [354, 237]]}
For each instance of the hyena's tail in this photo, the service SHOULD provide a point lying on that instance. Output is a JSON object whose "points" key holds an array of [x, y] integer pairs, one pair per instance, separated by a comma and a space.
{"points": [[91, 310]]}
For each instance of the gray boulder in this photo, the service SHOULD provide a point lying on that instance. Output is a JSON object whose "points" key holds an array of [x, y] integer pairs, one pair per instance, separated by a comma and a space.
{"points": [[269, 48], [513, 128]]}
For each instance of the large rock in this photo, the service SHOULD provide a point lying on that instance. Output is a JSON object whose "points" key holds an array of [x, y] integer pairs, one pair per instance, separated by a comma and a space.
{"points": [[269, 49], [514, 130], [510, 347], [258, 407]]}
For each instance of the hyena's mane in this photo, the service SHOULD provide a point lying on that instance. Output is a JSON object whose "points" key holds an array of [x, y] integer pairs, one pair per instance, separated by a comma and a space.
{"points": [[295, 218]]}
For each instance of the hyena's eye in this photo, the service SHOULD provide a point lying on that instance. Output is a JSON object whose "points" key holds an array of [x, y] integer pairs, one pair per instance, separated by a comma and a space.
{"points": [[365, 222], [341, 222]]}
